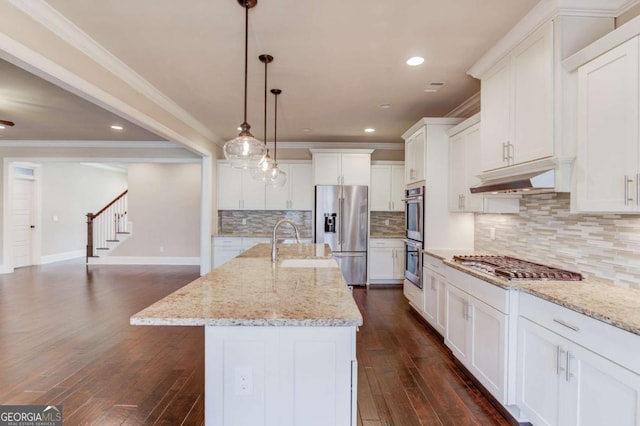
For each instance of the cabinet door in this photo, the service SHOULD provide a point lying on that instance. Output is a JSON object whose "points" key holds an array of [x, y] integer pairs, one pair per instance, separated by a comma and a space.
{"points": [[397, 188], [398, 263], [229, 187], [488, 349], [416, 158], [380, 188], [532, 97], [607, 160], [381, 263], [457, 324], [222, 255], [430, 296], [595, 391], [326, 168], [495, 116], [540, 365], [472, 202], [301, 187], [441, 325], [457, 172], [356, 169], [253, 192]]}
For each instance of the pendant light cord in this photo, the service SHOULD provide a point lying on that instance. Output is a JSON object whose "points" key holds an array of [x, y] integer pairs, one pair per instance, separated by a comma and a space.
{"points": [[275, 131], [265, 101], [246, 55]]}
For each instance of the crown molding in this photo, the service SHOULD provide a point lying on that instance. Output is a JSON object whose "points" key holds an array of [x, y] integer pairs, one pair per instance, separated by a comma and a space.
{"points": [[377, 146], [90, 144], [62, 27], [467, 108]]}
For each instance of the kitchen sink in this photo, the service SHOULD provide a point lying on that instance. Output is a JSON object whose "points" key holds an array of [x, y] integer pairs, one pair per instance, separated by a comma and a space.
{"points": [[308, 263]]}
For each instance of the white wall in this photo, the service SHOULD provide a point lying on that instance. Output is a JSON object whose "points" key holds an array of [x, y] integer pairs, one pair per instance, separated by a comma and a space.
{"points": [[164, 207], [70, 191]]}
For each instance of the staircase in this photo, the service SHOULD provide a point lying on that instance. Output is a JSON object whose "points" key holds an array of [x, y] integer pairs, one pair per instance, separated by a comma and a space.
{"points": [[107, 229]]}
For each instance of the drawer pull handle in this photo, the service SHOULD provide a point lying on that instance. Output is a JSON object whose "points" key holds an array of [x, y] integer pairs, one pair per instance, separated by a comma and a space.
{"points": [[569, 326]]}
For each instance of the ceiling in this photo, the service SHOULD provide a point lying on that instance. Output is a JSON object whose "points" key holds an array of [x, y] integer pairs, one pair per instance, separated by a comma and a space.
{"points": [[336, 61]]}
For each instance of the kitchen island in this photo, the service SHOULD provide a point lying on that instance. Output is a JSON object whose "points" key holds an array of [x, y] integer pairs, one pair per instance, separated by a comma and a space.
{"points": [[279, 337]]}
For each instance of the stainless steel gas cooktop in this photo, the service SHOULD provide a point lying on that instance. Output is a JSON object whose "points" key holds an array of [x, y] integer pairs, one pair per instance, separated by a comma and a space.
{"points": [[514, 269]]}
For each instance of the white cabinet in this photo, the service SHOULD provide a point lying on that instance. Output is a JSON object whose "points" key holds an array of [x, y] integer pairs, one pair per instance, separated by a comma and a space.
{"points": [[517, 104], [414, 156], [297, 194], [414, 295], [434, 293], [387, 187], [608, 163], [386, 261], [226, 248], [563, 381], [345, 167], [478, 331], [464, 151], [237, 190]]}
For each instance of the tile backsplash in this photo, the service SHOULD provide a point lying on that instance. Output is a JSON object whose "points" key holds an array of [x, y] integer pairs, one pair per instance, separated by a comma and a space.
{"points": [[601, 246], [262, 221], [378, 225]]}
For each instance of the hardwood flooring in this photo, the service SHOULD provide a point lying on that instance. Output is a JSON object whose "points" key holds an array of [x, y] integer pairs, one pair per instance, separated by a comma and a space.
{"points": [[65, 339]]}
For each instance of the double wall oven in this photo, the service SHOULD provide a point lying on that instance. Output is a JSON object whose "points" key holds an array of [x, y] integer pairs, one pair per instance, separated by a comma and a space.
{"points": [[414, 234]]}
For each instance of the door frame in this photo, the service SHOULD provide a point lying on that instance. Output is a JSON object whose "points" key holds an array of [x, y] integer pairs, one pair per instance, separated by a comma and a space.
{"points": [[7, 219]]}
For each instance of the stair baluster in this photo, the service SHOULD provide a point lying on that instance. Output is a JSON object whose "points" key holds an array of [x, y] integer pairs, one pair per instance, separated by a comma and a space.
{"points": [[104, 226]]}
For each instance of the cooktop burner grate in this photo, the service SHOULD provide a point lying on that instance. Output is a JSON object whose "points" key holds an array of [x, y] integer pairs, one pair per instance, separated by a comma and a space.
{"points": [[512, 268]]}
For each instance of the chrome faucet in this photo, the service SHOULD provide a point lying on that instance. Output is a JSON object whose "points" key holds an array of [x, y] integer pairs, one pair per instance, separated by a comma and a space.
{"points": [[274, 239]]}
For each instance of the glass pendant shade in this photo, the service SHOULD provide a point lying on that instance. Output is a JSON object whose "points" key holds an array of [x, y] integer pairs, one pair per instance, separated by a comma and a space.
{"points": [[277, 178], [264, 170], [245, 151]]}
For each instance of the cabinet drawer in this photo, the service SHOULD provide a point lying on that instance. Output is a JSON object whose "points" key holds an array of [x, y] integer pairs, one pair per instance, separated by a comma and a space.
{"points": [[493, 295], [611, 342], [414, 294], [434, 264], [386, 243], [227, 242]]}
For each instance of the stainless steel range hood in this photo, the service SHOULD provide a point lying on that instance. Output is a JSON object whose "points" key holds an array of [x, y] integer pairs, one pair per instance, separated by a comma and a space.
{"points": [[534, 182]]}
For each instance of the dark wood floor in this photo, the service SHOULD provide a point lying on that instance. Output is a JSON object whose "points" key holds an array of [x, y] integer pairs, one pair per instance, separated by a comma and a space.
{"points": [[65, 339]]}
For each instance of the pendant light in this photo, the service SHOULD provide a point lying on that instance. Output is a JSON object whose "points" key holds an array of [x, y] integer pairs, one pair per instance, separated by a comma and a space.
{"points": [[245, 151], [264, 170], [277, 177]]}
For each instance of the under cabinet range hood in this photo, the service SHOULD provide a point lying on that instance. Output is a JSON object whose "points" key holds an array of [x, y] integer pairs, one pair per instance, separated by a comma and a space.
{"points": [[534, 182]]}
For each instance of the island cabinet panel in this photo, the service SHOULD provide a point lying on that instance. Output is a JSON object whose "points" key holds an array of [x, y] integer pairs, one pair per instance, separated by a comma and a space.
{"points": [[296, 376]]}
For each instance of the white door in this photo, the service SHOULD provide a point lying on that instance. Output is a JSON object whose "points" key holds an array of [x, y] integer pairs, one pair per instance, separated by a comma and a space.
{"points": [[380, 200], [356, 169], [22, 219], [495, 107], [457, 172], [253, 192], [456, 335], [397, 188], [229, 187], [326, 168], [381, 263], [301, 184], [430, 296]]}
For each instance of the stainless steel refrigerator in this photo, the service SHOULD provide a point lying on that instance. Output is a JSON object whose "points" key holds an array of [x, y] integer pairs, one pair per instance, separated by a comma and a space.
{"points": [[342, 221]]}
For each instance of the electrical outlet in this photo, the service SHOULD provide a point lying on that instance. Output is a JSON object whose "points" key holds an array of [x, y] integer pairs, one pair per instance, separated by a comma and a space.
{"points": [[244, 221], [244, 381], [492, 234], [161, 249], [386, 222]]}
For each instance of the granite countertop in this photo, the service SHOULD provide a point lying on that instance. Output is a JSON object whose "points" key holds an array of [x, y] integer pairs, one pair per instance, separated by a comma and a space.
{"points": [[444, 254], [251, 291], [614, 305], [281, 235]]}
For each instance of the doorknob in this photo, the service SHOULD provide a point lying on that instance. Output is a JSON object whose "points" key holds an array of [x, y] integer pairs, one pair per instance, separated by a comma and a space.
{"points": [[32, 226]]}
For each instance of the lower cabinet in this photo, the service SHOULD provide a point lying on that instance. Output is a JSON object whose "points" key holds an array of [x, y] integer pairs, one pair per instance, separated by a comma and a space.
{"points": [[478, 331], [563, 383], [386, 261], [434, 293], [226, 248]]}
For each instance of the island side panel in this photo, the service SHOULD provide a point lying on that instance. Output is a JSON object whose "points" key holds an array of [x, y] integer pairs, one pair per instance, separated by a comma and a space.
{"points": [[298, 375]]}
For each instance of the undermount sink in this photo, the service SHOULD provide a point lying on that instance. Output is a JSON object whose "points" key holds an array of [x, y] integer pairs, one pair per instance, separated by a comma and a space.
{"points": [[308, 263]]}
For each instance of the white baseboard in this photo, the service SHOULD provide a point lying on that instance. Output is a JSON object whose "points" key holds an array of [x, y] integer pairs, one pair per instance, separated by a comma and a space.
{"points": [[58, 257], [142, 260], [4, 269]]}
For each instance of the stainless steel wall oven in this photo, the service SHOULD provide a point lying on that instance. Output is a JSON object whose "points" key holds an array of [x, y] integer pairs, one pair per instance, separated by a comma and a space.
{"points": [[414, 232]]}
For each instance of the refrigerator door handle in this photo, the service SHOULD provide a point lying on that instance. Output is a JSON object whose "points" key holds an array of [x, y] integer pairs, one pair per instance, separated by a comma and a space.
{"points": [[341, 219]]}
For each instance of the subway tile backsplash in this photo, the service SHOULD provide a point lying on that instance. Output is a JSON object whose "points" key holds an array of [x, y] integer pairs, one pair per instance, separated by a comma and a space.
{"points": [[259, 222], [605, 247]]}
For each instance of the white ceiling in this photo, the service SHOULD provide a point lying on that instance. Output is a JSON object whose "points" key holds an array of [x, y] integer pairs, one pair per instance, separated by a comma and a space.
{"points": [[335, 60]]}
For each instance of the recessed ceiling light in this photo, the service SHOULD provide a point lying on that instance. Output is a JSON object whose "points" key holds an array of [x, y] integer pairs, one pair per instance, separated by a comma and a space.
{"points": [[369, 130], [116, 127], [2, 127], [384, 106], [306, 130], [415, 61]]}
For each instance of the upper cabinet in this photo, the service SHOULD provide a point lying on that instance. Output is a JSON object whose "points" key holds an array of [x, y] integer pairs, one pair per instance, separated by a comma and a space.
{"points": [[517, 104], [608, 163], [528, 106], [341, 167], [237, 190], [387, 187], [297, 193], [414, 159]]}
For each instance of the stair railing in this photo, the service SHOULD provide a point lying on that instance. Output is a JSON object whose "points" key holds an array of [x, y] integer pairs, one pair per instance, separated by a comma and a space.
{"points": [[104, 226]]}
